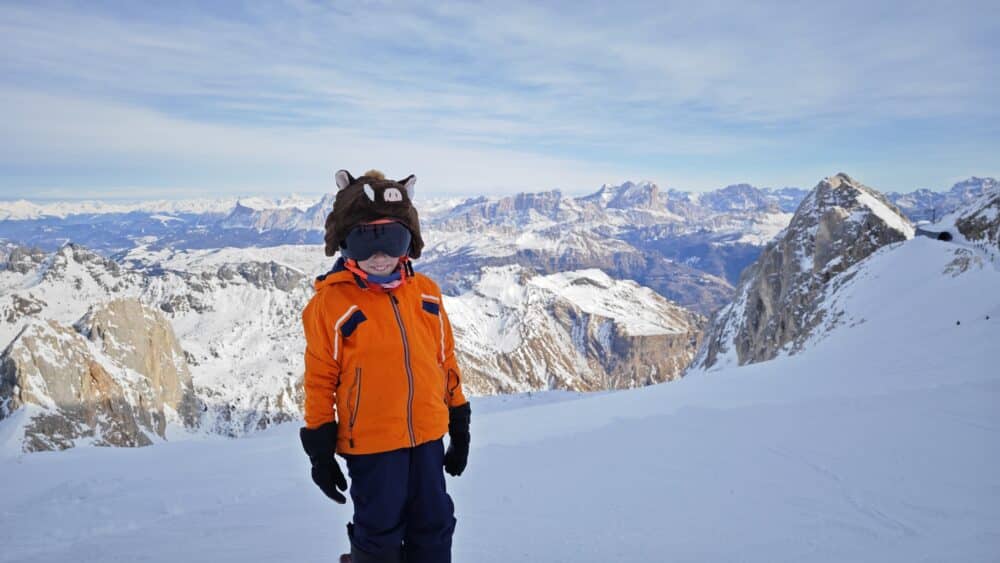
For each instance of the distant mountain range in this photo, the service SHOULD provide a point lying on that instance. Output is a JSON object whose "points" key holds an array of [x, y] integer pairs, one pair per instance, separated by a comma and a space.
{"points": [[546, 291]]}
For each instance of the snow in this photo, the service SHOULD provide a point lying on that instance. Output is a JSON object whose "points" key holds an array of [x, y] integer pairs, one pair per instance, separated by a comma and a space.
{"points": [[638, 310], [876, 443], [891, 218], [23, 209], [163, 219], [763, 228]]}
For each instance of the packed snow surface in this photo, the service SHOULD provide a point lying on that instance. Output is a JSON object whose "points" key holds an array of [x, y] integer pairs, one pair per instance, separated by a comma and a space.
{"points": [[877, 443]]}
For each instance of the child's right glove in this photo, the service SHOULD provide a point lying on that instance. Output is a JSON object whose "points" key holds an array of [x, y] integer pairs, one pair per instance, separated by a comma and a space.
{"points": [[321, 444], [457, 455]]}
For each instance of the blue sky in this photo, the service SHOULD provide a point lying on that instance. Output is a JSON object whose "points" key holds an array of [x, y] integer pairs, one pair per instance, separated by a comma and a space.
{"points": [[180, 100]]}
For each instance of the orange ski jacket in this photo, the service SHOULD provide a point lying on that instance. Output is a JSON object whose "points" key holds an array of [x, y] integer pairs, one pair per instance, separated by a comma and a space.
{"points": [[382, 363]]}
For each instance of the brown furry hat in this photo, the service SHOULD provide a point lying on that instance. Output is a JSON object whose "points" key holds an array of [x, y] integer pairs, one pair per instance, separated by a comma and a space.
{"points": [[369, 198]]}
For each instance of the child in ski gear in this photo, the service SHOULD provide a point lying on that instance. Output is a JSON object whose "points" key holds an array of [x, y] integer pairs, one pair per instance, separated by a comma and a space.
{"points": [[382, 385]]}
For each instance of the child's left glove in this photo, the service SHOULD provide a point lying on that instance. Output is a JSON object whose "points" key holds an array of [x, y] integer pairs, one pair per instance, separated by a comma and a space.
{"points": [[457, 455], [321, 444]]}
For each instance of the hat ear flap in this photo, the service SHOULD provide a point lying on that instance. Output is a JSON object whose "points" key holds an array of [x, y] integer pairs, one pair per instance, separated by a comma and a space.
{"points": [[410, 183], [344, 179]]}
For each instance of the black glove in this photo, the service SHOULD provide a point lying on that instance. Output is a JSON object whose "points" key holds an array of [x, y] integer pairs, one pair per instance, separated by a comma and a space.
{"points": [[457, 455], [321, 444]]}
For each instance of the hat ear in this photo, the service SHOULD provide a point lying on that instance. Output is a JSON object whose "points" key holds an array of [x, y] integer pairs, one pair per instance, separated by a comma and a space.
{"points": [[344, 179], [410, 183]]}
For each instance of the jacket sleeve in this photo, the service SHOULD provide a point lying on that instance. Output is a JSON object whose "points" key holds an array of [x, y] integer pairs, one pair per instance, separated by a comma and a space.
{"points": [[322, 370], [456, 397]]}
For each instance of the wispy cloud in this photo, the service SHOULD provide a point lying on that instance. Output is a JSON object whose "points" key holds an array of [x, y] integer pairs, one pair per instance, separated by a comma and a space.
{"points": [[484, 96]]}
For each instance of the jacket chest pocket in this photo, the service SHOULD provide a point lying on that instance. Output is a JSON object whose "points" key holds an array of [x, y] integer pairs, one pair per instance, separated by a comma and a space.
{"points": [[430, 308]]}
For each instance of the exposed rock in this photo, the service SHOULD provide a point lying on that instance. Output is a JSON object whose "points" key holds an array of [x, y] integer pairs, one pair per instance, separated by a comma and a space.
{"points": [[931, 205], [21, 306], [840, 223], [980, 222], [574, 330], [739, 197], [626, 196], [263, 275], [21, 259], [51, 366], [116, 381], [140, 338]]}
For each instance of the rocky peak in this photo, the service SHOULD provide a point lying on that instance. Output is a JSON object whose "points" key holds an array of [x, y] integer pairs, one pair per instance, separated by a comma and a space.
{"points": [[71, 259], [507, 212], [21, 259], [788, 198], [739, 197], [140, 338], [838, 224], [579, 330], [115, 378], [979, 222], [629, 195], [971, 188], [315, 216], [245, 217], [263, 275], [545, 203]]}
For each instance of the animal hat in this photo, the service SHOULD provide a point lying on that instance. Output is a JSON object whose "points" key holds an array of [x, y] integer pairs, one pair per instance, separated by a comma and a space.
{"points": [[369, 198]]}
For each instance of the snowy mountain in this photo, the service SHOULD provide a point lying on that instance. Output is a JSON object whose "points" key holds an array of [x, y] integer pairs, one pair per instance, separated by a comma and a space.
{"points": [[644, 195], [22, 209], [780, 298], [578, 330], [686, 251], [928, 205], [546, 231], [546, 295], [738, 197], [236, 315], [875, 443], [979, 221], [237, 324], [117, 378]]}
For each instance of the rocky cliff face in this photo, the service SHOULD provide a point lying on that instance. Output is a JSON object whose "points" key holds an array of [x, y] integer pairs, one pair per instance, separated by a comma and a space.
{"points": [[116, 379], [573, 330], [141, 339], [979, 223], [839, 224], [739, 197]]}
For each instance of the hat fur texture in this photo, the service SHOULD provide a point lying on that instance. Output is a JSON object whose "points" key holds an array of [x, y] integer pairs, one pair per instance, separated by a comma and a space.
{"points": [[369, 198]]}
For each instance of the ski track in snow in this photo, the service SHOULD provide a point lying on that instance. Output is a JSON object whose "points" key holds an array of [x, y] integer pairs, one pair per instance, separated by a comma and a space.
{"points": [[878, 443]]}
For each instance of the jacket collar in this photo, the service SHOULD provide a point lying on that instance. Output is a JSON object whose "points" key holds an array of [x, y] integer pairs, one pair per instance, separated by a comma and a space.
{"points": [[340, 274]]}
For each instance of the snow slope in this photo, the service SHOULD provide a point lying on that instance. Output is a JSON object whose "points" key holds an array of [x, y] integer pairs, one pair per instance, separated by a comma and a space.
{"points": [[876, 443]]}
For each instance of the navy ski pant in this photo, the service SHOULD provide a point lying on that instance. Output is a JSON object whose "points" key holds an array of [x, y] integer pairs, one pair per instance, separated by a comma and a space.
{"points": [[400, 498]]}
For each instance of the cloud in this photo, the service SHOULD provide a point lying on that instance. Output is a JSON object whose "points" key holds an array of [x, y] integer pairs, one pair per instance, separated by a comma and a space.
{"points": [[51, 129], [590, 88]]}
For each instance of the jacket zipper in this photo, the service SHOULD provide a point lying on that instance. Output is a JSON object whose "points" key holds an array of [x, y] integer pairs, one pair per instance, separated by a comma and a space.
{"points": [[357, 405], [448, 389], [409, 370], [444, 395]]}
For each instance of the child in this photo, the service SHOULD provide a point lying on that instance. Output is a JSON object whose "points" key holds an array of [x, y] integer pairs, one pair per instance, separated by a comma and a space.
{"points": [[381, 382]]}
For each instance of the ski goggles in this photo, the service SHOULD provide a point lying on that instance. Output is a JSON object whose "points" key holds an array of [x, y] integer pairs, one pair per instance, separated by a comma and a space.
{"points": [[386, 236]]}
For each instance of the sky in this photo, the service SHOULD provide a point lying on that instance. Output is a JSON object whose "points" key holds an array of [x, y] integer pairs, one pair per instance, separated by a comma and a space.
{"points": [[126, 100]]}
